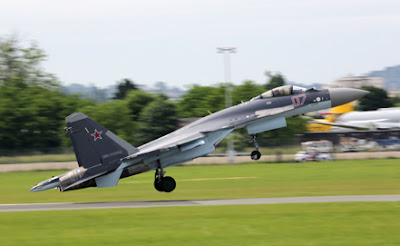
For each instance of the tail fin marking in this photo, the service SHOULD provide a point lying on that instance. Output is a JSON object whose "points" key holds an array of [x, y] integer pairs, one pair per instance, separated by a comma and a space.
{"points": [[93, 144]]}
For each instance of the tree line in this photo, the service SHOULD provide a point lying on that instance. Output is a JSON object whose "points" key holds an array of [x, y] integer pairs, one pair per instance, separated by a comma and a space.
{"points": [[33, 108]]}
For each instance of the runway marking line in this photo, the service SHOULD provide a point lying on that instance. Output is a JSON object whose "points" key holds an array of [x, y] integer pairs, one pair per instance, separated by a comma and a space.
{"points": [[185, 203], [186, 180]]}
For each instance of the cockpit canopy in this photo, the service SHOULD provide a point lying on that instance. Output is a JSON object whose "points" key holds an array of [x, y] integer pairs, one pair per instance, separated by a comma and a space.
{"points": [[284, 90]]}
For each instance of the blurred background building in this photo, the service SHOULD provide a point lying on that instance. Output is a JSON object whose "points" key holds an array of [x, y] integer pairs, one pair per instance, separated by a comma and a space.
{"points": [[351, 81]]}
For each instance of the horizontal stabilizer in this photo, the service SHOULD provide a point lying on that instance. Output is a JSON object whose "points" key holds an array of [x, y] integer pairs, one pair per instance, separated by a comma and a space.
{"points": [[109, 180]]}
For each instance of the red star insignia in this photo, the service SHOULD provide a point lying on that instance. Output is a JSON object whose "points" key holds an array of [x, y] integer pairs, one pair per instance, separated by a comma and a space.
{"points": [[97, 134]]}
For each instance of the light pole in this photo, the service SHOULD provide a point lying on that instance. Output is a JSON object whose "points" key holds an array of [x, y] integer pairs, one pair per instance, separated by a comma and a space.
{"points": [[228, 93]]}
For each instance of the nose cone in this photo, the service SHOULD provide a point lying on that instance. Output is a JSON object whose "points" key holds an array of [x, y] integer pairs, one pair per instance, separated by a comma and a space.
{"points": [[35, 189], [341, 96]]}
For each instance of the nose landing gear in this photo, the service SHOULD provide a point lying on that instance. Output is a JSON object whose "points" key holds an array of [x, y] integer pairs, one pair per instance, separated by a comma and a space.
{"points": [[255, 155]]}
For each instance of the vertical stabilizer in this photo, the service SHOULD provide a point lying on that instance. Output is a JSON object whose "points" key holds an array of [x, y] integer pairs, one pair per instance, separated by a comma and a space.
{"points": [[93, 144]]}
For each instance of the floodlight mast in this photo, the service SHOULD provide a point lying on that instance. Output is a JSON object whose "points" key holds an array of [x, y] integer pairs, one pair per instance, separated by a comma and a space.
{"points": [[228, 92]]}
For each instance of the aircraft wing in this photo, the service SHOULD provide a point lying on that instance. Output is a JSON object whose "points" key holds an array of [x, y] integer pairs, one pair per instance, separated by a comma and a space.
{"points": [[167, 143]]}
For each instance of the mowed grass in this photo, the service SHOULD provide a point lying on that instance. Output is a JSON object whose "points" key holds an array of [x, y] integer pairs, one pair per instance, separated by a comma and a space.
{"points": [[354, 177], [284, 224], [279, 224], [37, 158]]}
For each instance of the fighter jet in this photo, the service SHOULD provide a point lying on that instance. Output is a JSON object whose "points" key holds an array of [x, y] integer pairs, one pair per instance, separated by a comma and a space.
{"points": [[104, 158]]}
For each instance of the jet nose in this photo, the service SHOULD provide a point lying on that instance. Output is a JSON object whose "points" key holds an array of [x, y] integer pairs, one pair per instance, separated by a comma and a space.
{"points": [[341, 96], [34, 189]]}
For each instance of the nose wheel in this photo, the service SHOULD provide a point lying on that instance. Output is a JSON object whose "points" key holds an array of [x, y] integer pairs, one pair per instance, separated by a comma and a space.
{"points": [[255, 155], [163, 183]]}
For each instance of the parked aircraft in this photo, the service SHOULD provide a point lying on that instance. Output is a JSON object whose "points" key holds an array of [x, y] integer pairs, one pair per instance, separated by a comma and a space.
{"points": [[318, 125], [104, 158], [381, 119]]}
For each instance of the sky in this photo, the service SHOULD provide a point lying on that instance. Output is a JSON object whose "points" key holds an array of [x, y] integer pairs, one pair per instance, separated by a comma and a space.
{"points": [[308, 41]]}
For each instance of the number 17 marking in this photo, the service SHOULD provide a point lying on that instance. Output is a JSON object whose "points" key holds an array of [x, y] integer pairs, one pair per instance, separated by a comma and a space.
{"points": [[298, 99]]}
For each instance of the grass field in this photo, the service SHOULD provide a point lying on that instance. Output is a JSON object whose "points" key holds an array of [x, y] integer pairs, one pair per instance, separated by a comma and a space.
{"points": [[37, 158], [285, 224], [360, 177], [281, 224]]}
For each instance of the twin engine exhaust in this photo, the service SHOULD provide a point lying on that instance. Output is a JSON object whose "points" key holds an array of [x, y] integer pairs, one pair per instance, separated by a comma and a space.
{"points": [[62, 181]]}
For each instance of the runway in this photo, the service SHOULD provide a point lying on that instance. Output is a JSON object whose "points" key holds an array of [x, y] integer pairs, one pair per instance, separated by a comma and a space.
{"points": [[177, 203]]}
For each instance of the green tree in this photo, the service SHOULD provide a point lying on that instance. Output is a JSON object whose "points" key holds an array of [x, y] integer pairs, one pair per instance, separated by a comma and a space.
{"points": [[157, 119], [136, 101], [32, 109], [246, 91], [275, 80], [377, 98], [395, 101], [21, 66], [199, 101], [196, 102], [283, 136], [33, 117], [215, 99], [123, 87], [114, 116]]}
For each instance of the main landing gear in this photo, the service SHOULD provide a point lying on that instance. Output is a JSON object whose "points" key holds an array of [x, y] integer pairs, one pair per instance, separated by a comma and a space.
{"points": [[163, 183], [255, 155]]}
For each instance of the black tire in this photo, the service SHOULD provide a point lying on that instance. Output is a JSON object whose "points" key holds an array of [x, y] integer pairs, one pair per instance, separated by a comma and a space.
{"points": [[255, 155], [168, 184], [157, 185]]}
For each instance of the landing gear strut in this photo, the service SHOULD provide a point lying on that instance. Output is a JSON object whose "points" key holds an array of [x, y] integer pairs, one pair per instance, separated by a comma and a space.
{"points": [[255, 155], [163, 183]]}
